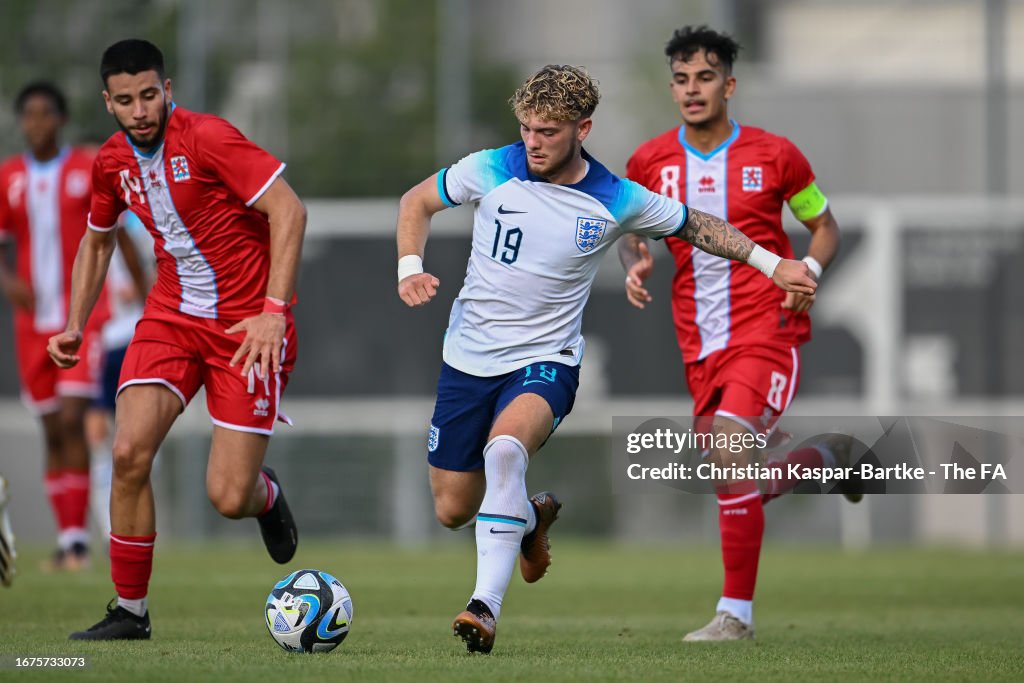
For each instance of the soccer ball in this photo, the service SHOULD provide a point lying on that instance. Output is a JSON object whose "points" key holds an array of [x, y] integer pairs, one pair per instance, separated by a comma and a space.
{"points": [[308, 611]]}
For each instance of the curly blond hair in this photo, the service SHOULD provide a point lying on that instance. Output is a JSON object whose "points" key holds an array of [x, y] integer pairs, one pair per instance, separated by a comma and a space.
{"points": [[558, 92]]}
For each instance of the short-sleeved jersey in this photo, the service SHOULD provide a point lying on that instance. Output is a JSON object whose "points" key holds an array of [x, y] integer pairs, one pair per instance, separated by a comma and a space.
{"points": [[194, 193], [718, 303], [43, 208], [536, 249]]}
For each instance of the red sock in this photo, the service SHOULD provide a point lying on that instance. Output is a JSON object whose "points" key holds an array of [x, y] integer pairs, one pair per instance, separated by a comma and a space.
{"points": [[131, 563], [76, 497], [781, 481], [54, 485], [741, 523]]}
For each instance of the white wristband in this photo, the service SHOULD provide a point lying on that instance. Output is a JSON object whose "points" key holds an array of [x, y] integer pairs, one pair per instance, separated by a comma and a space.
{"points": [[763, 260], [815, 267], [409, 265]]}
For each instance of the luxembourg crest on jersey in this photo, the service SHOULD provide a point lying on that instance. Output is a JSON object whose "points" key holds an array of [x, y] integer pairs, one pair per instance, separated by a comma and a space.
{"points": [[179, 169], [752, 179], [589, 232]]}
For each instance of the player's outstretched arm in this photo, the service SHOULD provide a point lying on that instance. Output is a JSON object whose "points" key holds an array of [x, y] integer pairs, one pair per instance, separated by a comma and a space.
{"points": [[715, 236], [133, 262], [417, 206], [16, 290], [264, 333], [639, 264], [87, 279], [823, 248]]}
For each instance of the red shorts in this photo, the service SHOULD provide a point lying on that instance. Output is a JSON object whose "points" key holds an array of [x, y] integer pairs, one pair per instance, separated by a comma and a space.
{"points": [[752, 385], [183, 353], [42, 382]]}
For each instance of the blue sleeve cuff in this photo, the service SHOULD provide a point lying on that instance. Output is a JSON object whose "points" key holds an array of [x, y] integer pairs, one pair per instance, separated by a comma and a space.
{"points": [[682, 224], [442, 191]]}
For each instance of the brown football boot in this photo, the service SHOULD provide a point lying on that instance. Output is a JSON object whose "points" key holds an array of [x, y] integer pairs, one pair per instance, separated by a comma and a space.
{"points": [[476, 627], [535, 557]]}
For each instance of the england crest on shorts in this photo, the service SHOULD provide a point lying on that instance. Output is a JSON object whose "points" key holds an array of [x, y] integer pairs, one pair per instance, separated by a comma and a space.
{"points": [[432, 438], [179, 169], [589, 232]]}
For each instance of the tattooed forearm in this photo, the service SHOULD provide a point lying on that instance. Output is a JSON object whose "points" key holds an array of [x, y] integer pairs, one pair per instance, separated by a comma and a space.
{"points": [[715, 236]]}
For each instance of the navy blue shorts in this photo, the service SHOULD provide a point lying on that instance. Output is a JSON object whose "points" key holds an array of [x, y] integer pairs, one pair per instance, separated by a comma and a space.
{"points": [[467, 406], [112, 361]]}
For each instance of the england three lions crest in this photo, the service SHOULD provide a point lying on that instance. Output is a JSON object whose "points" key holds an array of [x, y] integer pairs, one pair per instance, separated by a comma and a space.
{"points": [[589, 232]]}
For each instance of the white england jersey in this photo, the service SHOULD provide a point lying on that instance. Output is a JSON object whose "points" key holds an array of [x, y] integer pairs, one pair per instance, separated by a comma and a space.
{"points": [[536, 250]]}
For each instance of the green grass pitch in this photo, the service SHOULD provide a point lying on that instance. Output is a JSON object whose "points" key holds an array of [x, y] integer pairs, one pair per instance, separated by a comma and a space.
{"points": [[604, 613]]}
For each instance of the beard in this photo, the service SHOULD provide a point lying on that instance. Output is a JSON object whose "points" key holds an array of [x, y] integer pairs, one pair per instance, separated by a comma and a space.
{"points": [[158, 136], [557, 166]]}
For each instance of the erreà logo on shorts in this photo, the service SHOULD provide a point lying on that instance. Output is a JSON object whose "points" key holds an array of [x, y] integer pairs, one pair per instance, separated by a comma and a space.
{"points": [[262, 404]]}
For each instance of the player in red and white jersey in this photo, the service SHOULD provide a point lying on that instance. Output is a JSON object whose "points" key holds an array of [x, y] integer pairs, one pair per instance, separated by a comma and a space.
{"points": [[739, 339], [44, 202], [228, 233]]}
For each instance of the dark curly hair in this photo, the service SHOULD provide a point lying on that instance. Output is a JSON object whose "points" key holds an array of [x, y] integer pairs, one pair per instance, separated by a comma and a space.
{"points": [[685, 42], [44, 89]]}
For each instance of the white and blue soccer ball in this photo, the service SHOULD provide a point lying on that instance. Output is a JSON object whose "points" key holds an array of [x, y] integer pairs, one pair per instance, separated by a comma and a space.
{"points": [[309, 611]]}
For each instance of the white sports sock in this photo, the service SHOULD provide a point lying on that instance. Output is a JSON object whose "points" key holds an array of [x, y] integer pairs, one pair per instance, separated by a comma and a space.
{"points": [[828, 458], [273, 491], [99, 482], [741, 609], [72, 535], [502, 520], [136, 607]]}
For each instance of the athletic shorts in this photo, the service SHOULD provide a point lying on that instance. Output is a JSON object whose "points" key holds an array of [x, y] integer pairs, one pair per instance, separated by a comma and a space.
{"points": [[752, 385], [183, 353], [467, 406], [43, 383], [112, 360]]}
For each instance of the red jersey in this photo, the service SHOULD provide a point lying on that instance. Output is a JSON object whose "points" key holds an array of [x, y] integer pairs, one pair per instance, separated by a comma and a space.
{"points": [[43, 207], [717, 303], [194, 194]]}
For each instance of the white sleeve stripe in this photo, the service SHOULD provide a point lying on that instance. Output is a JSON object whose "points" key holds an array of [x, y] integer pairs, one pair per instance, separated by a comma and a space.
{"points": [[266, 185], [99, 229], [143, 545]]}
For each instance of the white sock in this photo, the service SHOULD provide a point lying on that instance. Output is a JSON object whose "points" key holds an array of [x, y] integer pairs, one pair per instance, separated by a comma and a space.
{"points": [[99, 481], [68, 537], [502, 520], [273, 491], [741, 609], [136, 607], [828, 458]]}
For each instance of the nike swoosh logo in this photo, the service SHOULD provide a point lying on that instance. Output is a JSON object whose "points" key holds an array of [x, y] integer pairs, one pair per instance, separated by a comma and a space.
{"points": [[503, 210], [494, 531]]}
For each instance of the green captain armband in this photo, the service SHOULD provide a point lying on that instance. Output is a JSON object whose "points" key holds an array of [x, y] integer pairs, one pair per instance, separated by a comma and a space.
{"points": [[808, 203]]}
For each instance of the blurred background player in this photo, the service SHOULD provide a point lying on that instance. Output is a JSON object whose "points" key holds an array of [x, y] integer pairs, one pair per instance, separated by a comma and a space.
{"points": [[7, 552], [739, 337], [545, 213], [229, 234], [128, 282], [44, 203]]}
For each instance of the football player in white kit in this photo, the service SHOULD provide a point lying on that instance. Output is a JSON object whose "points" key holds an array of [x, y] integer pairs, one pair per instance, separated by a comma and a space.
{"points": [[545, 212]]}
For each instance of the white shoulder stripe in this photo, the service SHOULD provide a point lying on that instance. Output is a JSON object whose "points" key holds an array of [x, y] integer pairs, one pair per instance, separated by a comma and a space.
{"points": [[266, 185]]}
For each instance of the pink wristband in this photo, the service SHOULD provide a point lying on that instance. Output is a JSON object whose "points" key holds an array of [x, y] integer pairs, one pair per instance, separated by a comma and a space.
{"points": [[274, 306]]}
